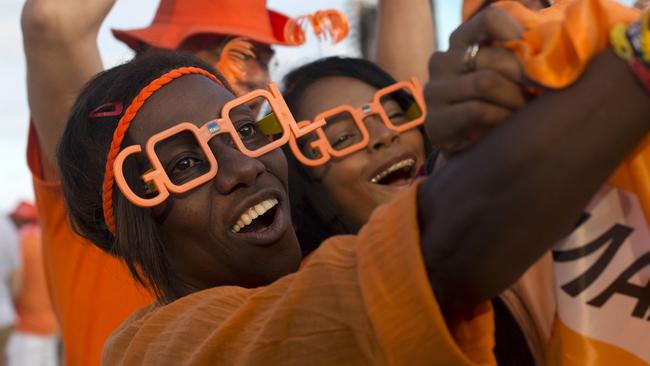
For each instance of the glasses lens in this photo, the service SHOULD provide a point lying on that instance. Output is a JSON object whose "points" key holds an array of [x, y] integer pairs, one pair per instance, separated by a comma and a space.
{"points": [[400, 107], [305, 145], [256, 133], [342, 131], [182, 157], [133, 168]]}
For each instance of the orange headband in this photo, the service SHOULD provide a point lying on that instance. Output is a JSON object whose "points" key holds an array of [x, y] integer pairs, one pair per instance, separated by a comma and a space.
{"points": [[123, 126]]}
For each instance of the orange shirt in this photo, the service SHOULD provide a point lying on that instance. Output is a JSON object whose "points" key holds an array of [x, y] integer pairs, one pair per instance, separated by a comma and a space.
{"points": [[35, 314], [91, 292], [359, 300]]}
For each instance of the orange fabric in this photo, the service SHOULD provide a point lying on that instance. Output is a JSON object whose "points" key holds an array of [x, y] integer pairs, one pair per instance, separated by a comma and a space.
{"points": [[35, 314], [178, 20], [559, 41], [585, 350], [123, 126], [359, 300], [91, 292]]}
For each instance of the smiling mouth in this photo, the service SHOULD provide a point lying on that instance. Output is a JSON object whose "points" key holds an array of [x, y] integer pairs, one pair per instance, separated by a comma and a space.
{"points": [[257, 218], [400, 173]]}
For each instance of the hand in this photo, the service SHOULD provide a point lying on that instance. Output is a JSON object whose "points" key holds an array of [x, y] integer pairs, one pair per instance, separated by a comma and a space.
{"points": [[464, 104]]}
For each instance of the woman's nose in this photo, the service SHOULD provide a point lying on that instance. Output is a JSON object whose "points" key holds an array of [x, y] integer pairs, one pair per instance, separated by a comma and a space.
{"points": [[380, 135], [236, 170]]}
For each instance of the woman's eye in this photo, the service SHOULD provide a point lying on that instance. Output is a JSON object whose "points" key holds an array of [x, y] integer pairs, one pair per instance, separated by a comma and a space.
{"points": [[184, 164], [247, 131], [396, 115], [340, 140]]}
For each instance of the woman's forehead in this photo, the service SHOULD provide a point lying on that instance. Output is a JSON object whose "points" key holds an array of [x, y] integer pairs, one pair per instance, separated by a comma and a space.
{"points": [[192, 98], [333, 91]]}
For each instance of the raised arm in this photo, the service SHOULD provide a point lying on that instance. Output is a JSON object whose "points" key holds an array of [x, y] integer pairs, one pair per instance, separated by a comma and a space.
{"points": [[492, 211], [405, 37], [60, 41]]}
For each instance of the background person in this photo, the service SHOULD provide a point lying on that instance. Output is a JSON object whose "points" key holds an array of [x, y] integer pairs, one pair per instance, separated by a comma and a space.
{"points": [[34, 340]]}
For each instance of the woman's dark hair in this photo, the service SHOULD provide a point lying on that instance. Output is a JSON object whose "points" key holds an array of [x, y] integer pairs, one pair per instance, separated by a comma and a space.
{"points": [[315, 217], [82, 156]]}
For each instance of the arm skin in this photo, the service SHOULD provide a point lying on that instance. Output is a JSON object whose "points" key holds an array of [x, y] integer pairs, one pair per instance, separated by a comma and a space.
{"points": [[60, 42], [405, 38], [491, 212]]}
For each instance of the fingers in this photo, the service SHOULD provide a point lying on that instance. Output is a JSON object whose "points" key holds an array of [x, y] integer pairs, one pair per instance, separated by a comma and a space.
{"points": [[492, 24], [464, 106], [501, 60], [453, 123], [486, 85], [498, 59]]}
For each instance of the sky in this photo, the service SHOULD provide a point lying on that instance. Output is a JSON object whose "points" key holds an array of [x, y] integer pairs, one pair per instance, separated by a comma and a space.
{"points": [[15, 180]]}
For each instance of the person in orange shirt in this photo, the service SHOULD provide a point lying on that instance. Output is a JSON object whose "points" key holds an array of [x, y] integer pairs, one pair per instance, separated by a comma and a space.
{"points": [[91, 292], [409, 289], [34, 340]]}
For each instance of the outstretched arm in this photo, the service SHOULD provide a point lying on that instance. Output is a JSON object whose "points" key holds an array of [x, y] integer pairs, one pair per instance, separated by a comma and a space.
{"points": [[492, 211], [60, 42], [405, 37]]}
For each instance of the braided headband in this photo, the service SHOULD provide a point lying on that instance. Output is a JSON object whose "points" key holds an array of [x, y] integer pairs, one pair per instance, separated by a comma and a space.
{"points": [[123, 126]]}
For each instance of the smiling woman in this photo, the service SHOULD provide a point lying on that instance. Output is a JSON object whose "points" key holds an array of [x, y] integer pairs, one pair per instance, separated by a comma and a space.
{"points": [[339, 197], [186, 243]]}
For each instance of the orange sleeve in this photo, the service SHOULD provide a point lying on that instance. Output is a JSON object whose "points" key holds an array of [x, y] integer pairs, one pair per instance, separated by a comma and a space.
{"points": [[359, 300], [559, 41], [91, 292]]}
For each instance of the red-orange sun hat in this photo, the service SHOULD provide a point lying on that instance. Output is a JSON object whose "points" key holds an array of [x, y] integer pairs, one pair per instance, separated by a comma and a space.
{"points": [[24, 211], [177, 20]]}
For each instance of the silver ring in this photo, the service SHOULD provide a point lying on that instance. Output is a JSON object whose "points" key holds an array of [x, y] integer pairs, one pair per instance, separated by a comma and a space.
{"points": [[469, 58]]}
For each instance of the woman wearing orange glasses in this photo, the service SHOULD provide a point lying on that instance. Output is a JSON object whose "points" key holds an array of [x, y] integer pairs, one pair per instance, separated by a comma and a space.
{"points": [[337, 195], [411, 288]]}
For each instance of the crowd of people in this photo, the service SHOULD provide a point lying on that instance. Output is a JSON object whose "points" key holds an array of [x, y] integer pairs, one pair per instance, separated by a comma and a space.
{"points": [[421, 208]]}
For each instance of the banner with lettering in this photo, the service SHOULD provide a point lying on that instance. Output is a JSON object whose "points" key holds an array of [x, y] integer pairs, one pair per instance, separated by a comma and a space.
{"points": [[602, 273]]}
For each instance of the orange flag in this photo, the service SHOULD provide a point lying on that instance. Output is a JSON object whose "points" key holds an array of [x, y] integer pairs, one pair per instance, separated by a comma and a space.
{"points": [[602, 269]]}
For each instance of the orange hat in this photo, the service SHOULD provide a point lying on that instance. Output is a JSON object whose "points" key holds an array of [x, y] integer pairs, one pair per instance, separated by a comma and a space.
{"points": [[177, 20], [470, 7], [24, 211]]}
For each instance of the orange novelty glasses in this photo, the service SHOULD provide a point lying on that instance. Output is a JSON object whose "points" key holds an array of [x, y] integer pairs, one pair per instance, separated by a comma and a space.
{"points": [[341, 131], [249, 141], [399, 106]]}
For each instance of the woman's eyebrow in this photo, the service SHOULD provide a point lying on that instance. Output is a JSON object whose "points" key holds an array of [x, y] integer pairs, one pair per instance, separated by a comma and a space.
{"points": [[180, 140]]}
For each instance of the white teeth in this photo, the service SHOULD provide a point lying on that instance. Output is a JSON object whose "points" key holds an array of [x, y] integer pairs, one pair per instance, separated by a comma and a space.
{"points": [[246, 219], [397, 166], [252, 213], [259, 209]]}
